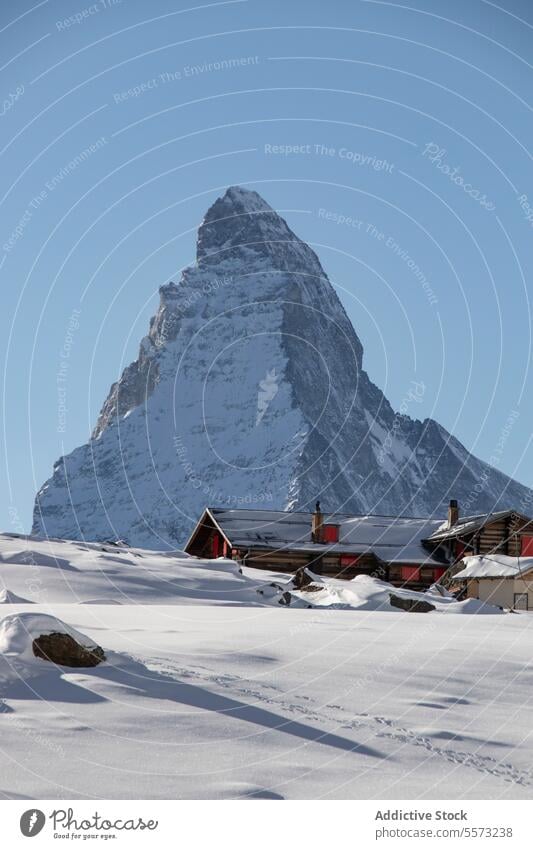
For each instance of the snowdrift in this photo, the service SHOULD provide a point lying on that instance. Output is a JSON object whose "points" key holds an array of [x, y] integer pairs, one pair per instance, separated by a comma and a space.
{"points": [[7, 597], [365, 593], [65, 572]]}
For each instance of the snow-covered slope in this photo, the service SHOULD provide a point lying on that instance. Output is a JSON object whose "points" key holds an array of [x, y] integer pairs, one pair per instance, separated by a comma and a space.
{"points": [[249, 390], [214, 702], [50, 572], [210, 690]]}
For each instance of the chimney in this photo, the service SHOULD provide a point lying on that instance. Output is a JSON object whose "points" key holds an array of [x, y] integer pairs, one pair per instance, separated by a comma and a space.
{"points": [[453, 513], [317, 524]]}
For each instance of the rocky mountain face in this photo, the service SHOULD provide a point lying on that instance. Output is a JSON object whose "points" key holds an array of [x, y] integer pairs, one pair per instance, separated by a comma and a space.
{"points": [[249, 390]]}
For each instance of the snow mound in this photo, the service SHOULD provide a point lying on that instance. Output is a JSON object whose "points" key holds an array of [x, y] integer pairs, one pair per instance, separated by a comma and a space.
{"points": [[366, 593], [65, 572], [7, 597], [495, 566], [18, 631]]}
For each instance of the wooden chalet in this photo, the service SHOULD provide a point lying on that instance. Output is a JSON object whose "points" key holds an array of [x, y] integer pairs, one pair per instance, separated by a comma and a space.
{"points": [[409, 551], [505, 532], [501, 579]]}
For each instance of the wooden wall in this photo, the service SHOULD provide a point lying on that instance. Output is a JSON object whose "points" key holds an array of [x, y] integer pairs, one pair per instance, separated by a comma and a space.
{"points": [[502, 536]]}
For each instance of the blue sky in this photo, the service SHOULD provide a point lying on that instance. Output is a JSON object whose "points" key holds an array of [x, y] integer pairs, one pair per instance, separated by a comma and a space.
{"points": [[393, 138]]}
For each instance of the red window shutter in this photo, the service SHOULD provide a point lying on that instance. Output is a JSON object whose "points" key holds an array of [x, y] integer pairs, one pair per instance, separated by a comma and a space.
{"points": [[225, 549], [410, 573], [215, 548], [459, 550], [330, 533], [526, 546], [348, 560], [438, 573]]}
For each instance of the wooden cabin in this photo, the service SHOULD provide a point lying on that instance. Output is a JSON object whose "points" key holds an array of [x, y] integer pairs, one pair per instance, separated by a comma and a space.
{"points": [[505, 532], [406, 551], [499, 579], [387, 547]]}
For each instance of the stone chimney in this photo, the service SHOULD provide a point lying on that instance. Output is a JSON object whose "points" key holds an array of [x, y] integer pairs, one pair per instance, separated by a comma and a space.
{"points": [[453, 513], [317, 524]]}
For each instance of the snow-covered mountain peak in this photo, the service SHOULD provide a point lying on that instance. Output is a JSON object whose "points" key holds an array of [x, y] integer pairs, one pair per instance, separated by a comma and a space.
{"points": [[249, 390], [246, 200], [241, 225]]}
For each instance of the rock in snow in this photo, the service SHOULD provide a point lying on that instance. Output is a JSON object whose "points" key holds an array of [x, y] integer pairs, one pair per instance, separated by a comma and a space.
{"points": [[26, 636], [411, 605], [66, 651], [249, 390]]}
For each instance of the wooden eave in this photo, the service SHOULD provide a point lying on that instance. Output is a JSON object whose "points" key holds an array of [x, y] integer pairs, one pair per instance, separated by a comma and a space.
{"points": [[201, 524]]}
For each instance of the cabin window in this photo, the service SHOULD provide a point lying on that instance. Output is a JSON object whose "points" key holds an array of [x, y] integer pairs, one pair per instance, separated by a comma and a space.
{"points": [[520, 601], [526, 546], [330, 533], [410, 573], [348, 560]]}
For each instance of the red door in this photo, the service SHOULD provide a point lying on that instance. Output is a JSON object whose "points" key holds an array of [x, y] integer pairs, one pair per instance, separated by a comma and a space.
{"points": [[410, 573], [527, 546]]}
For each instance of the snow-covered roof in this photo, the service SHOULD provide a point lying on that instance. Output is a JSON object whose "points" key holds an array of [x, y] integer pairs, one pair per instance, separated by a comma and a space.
{"points": [[468, 524], [494, 566], [389, 537]]}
